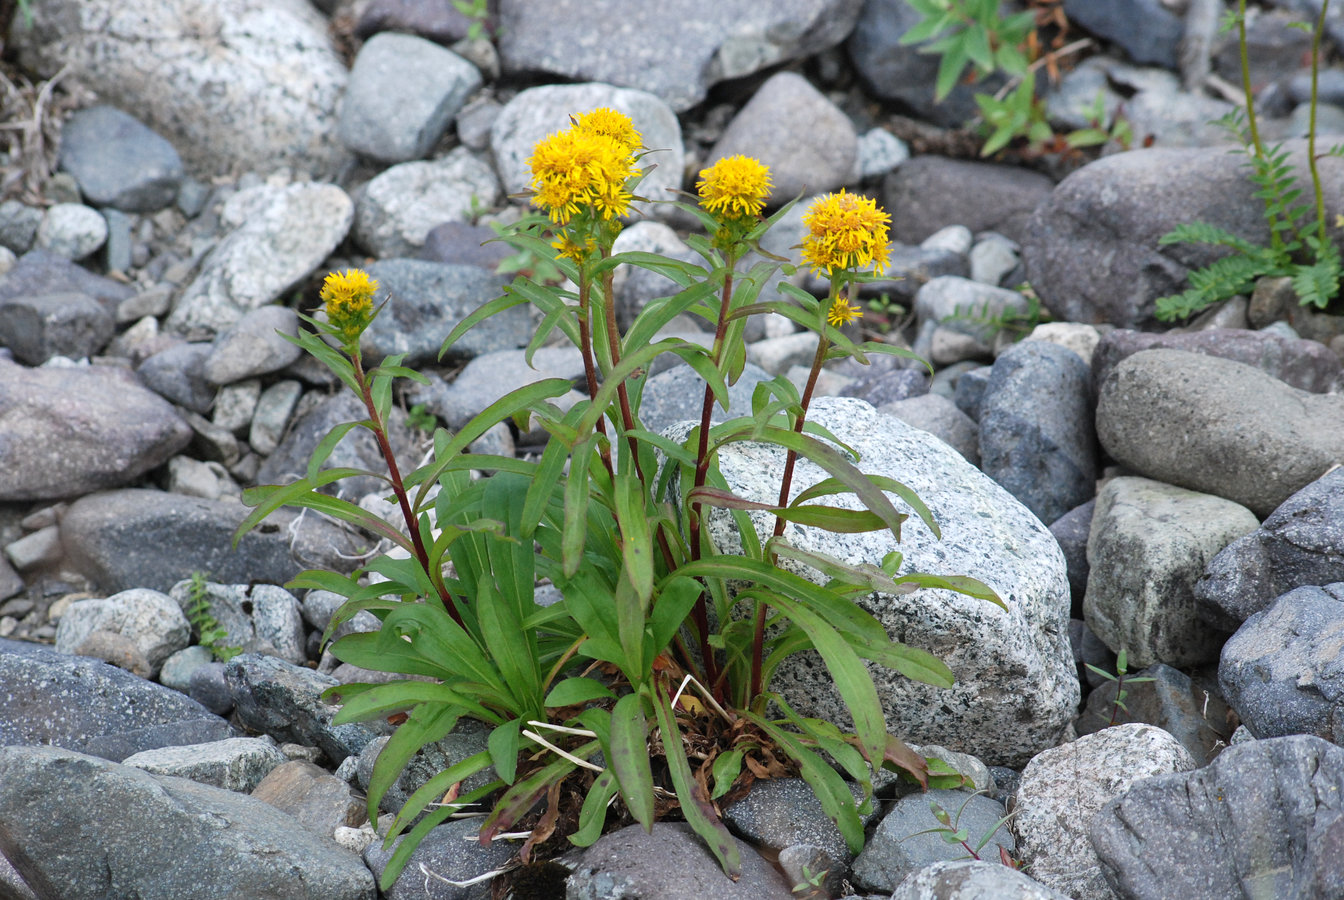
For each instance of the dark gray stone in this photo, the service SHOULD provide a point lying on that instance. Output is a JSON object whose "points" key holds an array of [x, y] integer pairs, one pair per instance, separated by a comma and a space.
{"points": [[467, 739], [438, 20], [900, 72], [1147, 30], [18, 225], [1191, 711], [969, 392], [1072, 530], [888, 385], [1301, 543], [1306, 365], [208, 688], [940, 417], [783, 812], [43, 272], [1281, 670], [37, 328], [928, 193], [1036, 428], [428, 300], [173, 838], [461, 244], [1265, 819], [669, 864], [86, 705], [1218, 426], [449, 851], [118, 161], [144, 538], [897, 847], [285, 701], [178, 374], [253, 346], [1092, 252], [403, 92], [67, 431]]}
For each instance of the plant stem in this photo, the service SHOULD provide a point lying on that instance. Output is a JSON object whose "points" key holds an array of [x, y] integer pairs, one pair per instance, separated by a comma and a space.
{"points": [[399, 488], [589, 366], [786, 481], [1311, 132]]}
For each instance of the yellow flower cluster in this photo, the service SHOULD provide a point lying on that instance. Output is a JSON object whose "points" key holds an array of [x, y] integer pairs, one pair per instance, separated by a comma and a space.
{"points": [[735, 187], [842, 313], [348, 300], [845, 231], [585, 166]]}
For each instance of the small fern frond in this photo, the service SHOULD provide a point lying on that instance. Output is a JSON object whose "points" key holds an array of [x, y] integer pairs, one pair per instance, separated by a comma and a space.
{"points": [[1204, 233]]}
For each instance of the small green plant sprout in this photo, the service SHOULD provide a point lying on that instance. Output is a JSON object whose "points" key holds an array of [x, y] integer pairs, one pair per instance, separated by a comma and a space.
{"points": [[211, 634], [888, 314], [950, 830], [813, 885], [421, 419], [645, 689], [1014, 321], [1299, 244], [1121, 678], [478, 12]]}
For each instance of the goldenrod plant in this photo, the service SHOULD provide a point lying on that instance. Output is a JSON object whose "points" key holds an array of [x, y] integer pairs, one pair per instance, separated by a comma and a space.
{"points": [[644, 691]]}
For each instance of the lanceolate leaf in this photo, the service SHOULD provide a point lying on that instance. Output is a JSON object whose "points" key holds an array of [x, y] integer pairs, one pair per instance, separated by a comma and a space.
{"points": [[630, 758]]}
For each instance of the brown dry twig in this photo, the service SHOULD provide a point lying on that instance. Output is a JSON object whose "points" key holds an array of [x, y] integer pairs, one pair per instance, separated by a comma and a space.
{"points": [[31, 116]]}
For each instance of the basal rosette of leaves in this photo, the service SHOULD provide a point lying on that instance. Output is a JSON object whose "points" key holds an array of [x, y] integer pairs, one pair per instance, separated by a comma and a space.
{"points": [[644, 691]]}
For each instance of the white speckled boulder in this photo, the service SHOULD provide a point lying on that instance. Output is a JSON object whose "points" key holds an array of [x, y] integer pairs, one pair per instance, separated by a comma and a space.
{"points": [[1016, 687]]}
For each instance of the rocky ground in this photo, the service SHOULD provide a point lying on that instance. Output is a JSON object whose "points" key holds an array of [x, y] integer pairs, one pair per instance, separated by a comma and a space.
{"points": [[181, 175]]}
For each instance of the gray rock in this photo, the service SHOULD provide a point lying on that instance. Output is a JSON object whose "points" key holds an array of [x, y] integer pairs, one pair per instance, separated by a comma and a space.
{"points": [[258, 618], [242, 84], [42, 272], [235, 846], [151, 620], [72, 230], [784, 812], [931, 192], [462, 244], [118, 161], [968, 392], [427, 301], [285, 701], [940, 417], [1218, 426], [966, 306], [88, 706], [1281, 671], [1063, 788], [464, 741], [1036, 435], [985, 712], [1149, 543], [678, 395], [809, 144], [403, 93], [76, 430], [234, 764], [1261, 820], [972, 879], [400, 206], [279, 236], [208, 687], [880, 385], [1092, 251], [271, 416], [18, 225], [897, 848], [1191, 711], [251, 346], [880, 151], [37, 328], [437, 20], [311, 794], [895, 71], [450, 851], [635, 287], [177, 373], [541, 111], [672, 862], [1147, 30], [235, 403], [489, 377], [674, 50], [177, 669], [1072, 531], [1306, 365], [1302, 542], [137, 537], [1081, 339]]}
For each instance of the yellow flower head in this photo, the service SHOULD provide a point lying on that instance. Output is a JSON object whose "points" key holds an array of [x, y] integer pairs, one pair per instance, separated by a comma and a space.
{"points": [[735, 187], [576, 169], [841, 313], [845, 231], [609, 123], [348, 299]]}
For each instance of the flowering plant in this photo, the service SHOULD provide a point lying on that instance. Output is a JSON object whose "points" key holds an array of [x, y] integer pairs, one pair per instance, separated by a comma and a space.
{"points": [[648, 681]]}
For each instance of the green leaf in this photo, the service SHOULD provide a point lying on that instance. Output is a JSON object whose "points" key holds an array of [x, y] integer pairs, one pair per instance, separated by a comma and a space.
{"points": [[480, 314], [519, 799], [593, 815], [578, 690], [695, 806], [727, 766], [503, 746], [630, 758], [424, 726]]}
